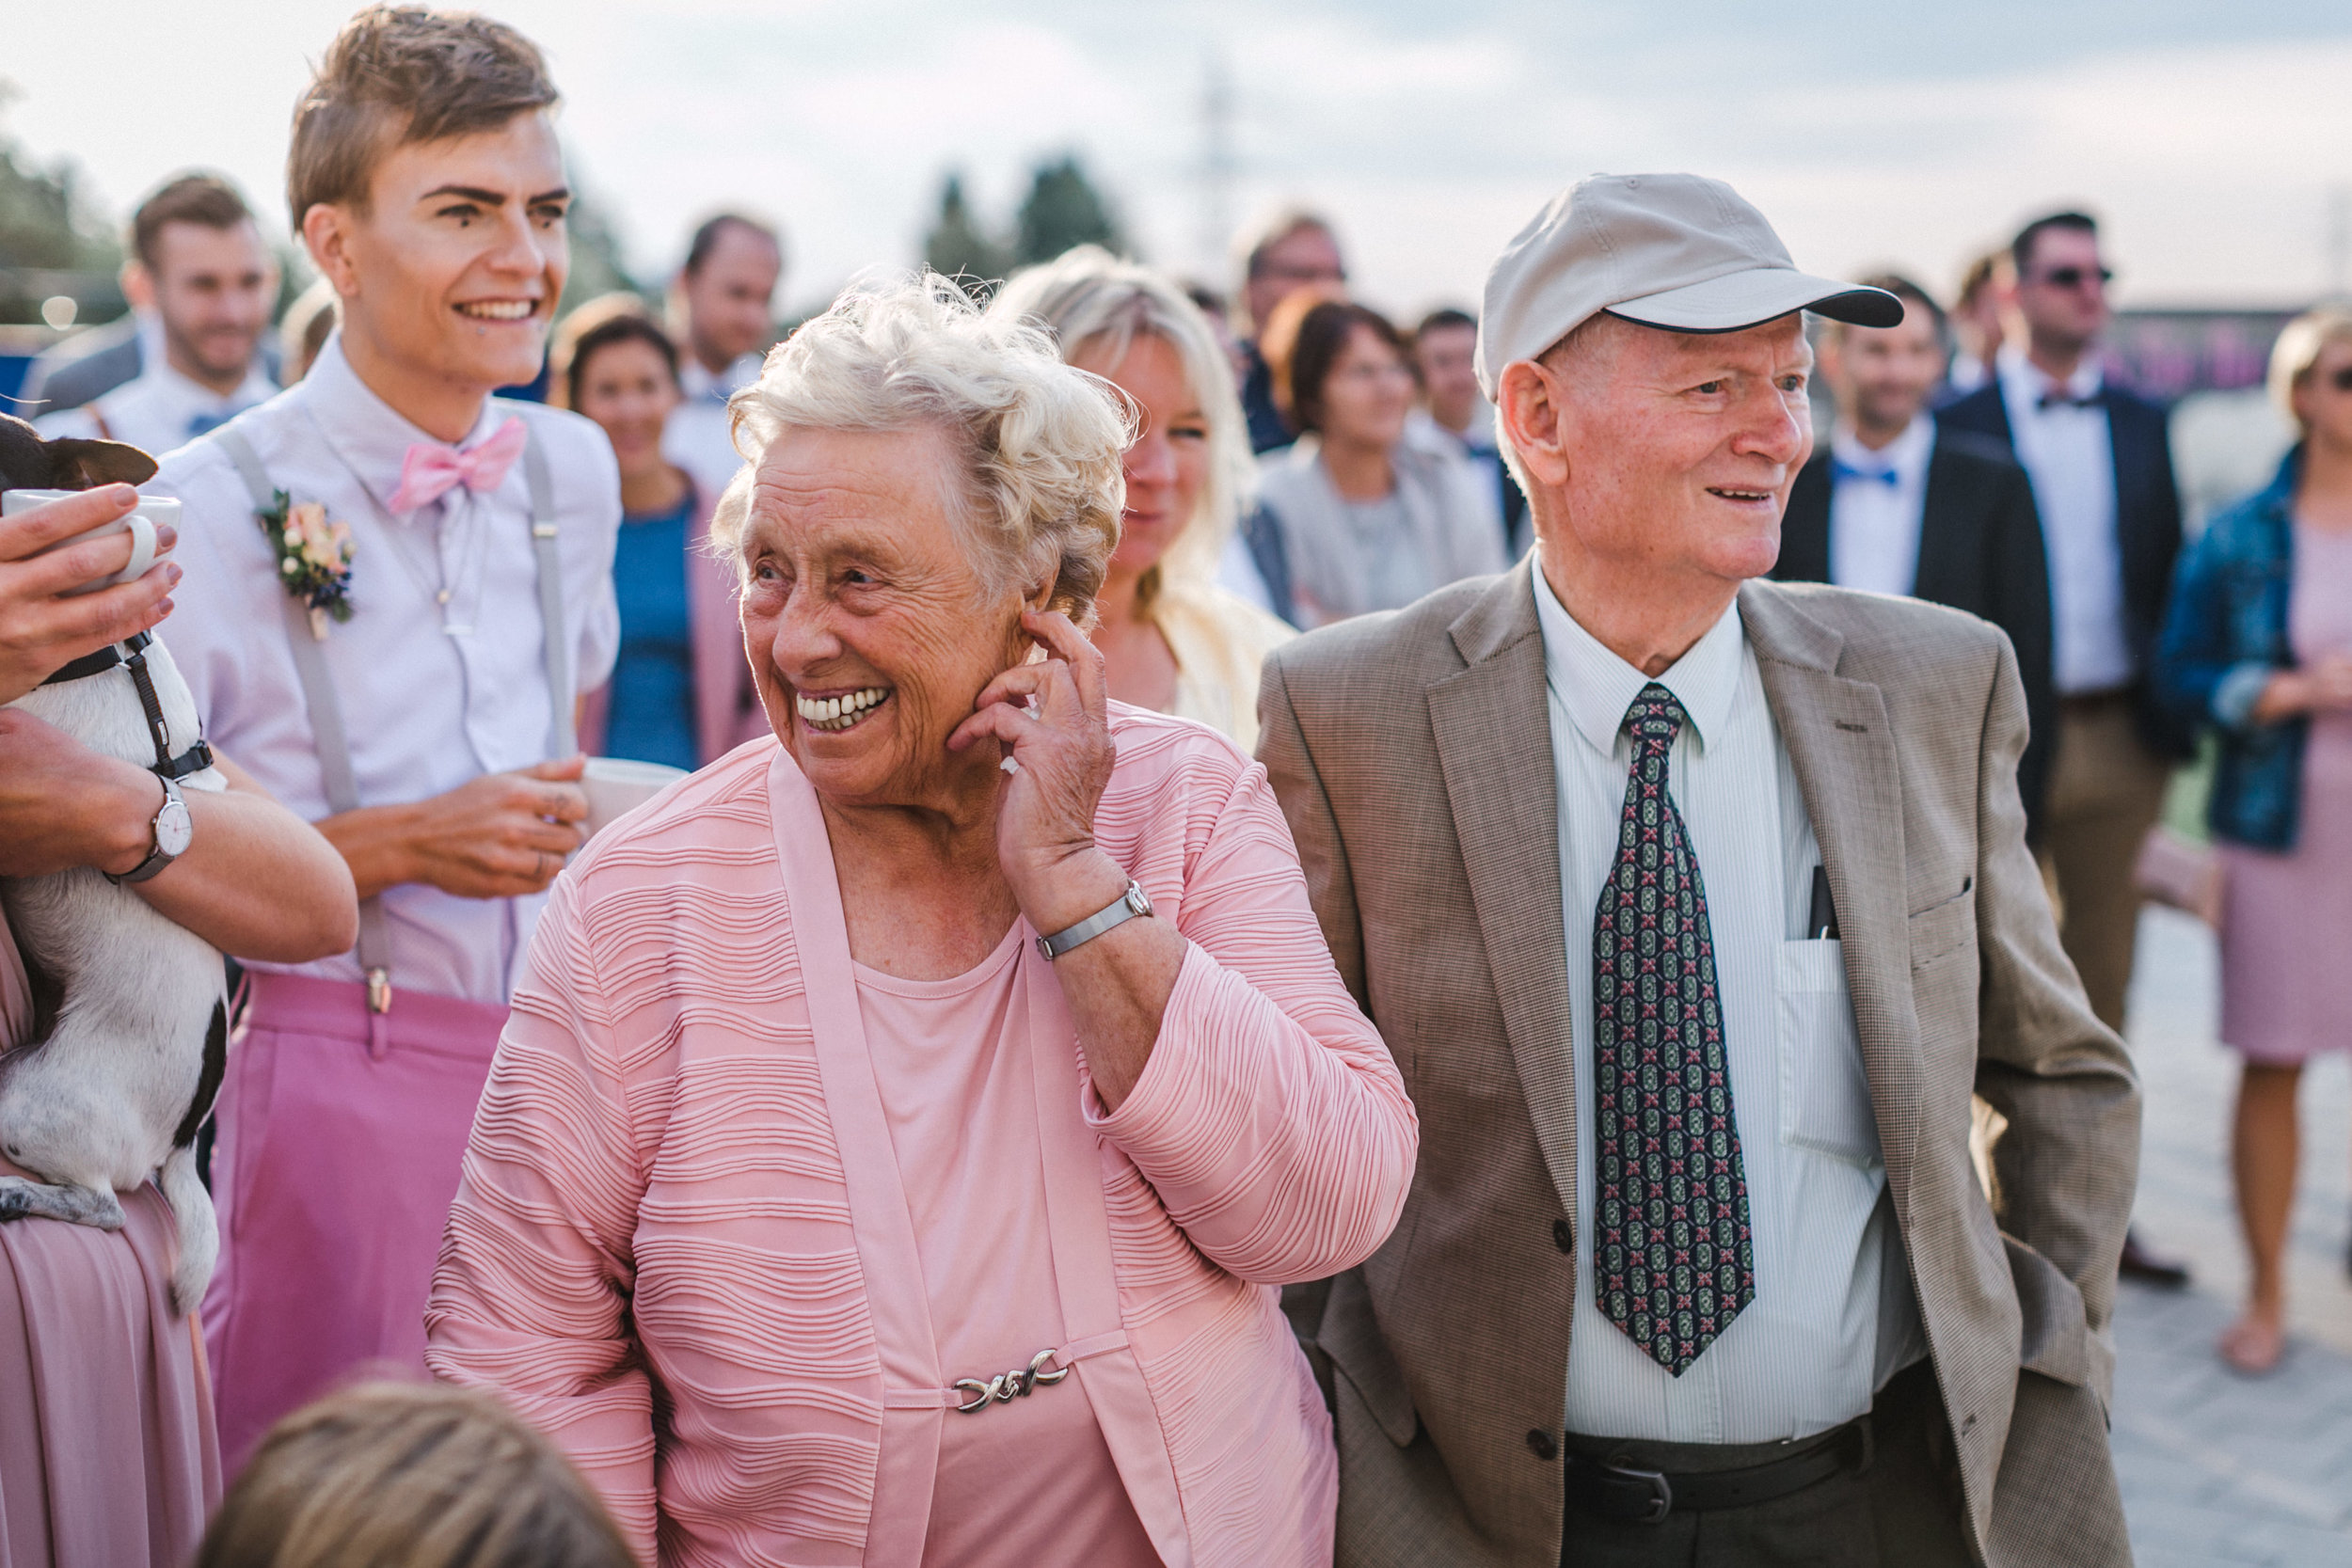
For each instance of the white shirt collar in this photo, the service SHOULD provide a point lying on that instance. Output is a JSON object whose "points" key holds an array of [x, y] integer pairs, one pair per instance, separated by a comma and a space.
{"points": [[1904, 455], [2030, 382], [1596, 687], [366, 431]]}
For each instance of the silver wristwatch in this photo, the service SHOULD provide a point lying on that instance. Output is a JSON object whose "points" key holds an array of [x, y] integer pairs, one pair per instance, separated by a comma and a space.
{"points": [[174, 830], [1126, 907]]}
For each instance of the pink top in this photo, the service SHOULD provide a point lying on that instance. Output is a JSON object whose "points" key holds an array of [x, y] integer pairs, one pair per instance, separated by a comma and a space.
{"points": [[1026, 1478], [683, 1245]]}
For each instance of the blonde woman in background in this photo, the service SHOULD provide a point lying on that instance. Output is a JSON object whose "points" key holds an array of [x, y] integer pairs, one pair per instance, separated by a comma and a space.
{"points": [[1171, 639]]}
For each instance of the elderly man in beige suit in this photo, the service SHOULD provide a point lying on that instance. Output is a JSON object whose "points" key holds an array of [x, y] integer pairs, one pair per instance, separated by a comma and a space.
{"points": [[1696, 908]]}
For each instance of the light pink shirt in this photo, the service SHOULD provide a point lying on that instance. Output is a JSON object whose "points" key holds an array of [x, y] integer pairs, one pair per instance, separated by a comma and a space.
{"points": [[1028, 1478], [682, 1192]]}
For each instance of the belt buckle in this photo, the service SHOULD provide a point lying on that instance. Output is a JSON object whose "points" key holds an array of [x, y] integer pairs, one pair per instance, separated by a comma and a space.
{"points": [[1661, 1493]]}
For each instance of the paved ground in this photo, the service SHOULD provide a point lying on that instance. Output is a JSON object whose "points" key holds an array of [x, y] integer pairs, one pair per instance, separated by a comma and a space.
{"points": [[2220, 1469]]}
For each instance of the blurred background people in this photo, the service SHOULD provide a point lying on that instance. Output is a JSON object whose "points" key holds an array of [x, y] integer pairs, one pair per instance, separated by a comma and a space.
{"points": [[2101, 463], [1172, 639], [407, 1476], [1977, 323], [1369, 520], [1892, 504], [2259, 649], [724, 310], [1295, 249], [1455, 410], [305, 327], [681, 691], [199, 269]]}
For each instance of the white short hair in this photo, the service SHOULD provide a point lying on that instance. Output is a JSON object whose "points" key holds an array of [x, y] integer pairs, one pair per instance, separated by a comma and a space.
{"points": [[1089, 298], [1038, 443]]}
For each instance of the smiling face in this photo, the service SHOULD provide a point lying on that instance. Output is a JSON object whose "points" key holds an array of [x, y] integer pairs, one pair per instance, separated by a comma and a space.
{"points": [[626, 387], [870, 630], [1883, 376], [1169, 464], [1670, 455], [214, 289], [451, 274]]}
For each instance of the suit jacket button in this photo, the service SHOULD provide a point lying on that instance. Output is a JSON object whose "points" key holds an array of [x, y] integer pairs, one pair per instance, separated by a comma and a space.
{"points": [[1543, 1444], [1563, 1237]]}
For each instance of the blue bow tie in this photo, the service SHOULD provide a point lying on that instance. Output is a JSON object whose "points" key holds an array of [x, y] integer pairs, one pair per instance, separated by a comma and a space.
{"points": [[1841, 471], [204, 424]]}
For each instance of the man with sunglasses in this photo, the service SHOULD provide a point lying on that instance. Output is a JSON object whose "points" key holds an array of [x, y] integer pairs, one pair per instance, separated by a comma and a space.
{"points": [[2101, 464]]}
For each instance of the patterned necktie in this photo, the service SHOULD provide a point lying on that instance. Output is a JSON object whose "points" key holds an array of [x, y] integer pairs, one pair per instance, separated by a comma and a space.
{"points": [[1673, 1262]]}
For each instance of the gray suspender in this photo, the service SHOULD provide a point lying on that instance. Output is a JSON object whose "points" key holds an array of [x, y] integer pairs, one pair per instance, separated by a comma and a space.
{"points": [[326, 713]]}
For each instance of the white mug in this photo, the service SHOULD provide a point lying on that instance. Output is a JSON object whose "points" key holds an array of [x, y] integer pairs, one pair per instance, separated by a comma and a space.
{"points": [[152, 513], [617, 786]]}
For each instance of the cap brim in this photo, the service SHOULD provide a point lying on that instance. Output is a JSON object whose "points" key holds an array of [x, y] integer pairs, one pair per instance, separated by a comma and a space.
{"points": [[1739, 300]]}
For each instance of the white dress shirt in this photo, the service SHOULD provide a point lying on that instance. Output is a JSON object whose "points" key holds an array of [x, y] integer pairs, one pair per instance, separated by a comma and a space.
{"points": [[431, 694], [159, 409], [2069, 453], [1873, 521], [699, 437], [1834, 1316]]}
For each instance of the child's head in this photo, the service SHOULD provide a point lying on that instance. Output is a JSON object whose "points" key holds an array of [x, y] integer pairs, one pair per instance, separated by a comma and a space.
{"points": [[426, 178], [403, 1476]]}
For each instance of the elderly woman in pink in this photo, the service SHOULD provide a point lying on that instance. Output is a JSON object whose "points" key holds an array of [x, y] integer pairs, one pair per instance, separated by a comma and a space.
{"points": [[905, 1128]]}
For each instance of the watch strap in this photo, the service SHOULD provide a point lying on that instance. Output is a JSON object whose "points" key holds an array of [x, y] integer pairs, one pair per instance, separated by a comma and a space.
{"points": [[158, 857], [1129, 905]]}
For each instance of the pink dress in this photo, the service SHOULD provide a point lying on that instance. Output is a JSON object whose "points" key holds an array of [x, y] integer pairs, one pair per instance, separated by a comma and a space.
{"points": [[1031, 1475], [690, 1243], [106, 1451], [2286, 919]]}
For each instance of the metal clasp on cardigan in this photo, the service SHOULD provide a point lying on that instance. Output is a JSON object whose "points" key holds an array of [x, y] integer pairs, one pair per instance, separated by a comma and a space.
{"points": [[1006, 1387]]}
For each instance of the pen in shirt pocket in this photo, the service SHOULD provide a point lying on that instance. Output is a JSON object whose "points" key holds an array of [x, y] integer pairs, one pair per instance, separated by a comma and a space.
{"points": [[1820, 921]]}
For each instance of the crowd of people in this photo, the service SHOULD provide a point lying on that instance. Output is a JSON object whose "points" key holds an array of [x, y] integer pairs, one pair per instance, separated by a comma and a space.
{"points": [[1595, 920]]}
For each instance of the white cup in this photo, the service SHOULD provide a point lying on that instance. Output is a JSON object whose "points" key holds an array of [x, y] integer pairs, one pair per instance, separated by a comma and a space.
{"points": [[152, 513], [617, 786]]}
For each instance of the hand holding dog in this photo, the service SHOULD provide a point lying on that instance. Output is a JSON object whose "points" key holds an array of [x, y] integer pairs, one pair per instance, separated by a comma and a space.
{"points": [[38, 631], [499, 836], [63, 805]]}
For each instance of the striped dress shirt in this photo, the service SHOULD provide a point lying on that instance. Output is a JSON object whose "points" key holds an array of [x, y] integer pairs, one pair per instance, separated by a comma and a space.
{"points": [[1834, 1316]]}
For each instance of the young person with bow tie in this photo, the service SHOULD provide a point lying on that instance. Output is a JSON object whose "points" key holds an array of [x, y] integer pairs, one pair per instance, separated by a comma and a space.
{"points": [[1891, 504], [2101, 461], [395, 586]]}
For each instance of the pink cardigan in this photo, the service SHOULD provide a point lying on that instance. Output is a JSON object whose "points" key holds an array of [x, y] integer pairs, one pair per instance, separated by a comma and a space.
{"points": [[726, 704], [678, 1246]]}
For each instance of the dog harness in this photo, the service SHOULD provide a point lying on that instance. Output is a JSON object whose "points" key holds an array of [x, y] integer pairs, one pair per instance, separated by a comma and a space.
{"points": [[326, 713], [132, 655]]}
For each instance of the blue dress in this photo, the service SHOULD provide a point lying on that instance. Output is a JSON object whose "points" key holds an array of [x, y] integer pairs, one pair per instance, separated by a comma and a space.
{"points": [[650, 717]]}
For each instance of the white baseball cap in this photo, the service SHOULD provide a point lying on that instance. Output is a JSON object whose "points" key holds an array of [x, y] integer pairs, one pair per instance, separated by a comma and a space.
{"points": [[1666, 251]]}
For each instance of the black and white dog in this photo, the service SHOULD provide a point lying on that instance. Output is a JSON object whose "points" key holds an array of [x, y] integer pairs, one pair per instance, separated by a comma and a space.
{"points": [[130, 1021]]}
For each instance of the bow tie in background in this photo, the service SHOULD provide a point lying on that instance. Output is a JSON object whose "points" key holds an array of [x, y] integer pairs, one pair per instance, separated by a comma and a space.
{"points": [[204, 424], [1841, 471], [2058, 397], [431, 470]]}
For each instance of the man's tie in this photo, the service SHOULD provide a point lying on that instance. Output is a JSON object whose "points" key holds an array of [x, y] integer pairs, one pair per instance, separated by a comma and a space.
{"points": [[2058, 397], [431, 470], [1672, 1262], [1841, 471], [205, 423]]}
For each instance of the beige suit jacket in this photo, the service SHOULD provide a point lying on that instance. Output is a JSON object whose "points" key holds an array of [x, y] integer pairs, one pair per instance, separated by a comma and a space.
{"points": [[1412, 756]]}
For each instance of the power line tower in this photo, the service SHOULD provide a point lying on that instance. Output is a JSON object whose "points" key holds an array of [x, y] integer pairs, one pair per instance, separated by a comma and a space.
{"points": [[1220, 167]]}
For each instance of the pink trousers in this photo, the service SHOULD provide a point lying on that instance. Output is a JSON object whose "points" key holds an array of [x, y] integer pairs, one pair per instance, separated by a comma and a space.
{"points": [[336, 1165]]}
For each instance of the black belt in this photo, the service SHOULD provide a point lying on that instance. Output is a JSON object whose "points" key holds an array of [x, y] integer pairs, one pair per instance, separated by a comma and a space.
{"points": [[132, 654], [1627, 1494]]}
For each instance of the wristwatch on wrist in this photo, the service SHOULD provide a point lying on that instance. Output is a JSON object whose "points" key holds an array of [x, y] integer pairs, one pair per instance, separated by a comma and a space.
{"points": [[173, 829], [1126, 907]]}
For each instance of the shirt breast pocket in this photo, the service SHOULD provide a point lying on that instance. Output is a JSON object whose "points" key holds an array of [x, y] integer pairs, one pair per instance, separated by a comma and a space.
{"points": [[1824, 1095]]}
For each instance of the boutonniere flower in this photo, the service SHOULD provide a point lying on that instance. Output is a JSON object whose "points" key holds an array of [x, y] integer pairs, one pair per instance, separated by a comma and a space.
{"points": [[313, 559]]}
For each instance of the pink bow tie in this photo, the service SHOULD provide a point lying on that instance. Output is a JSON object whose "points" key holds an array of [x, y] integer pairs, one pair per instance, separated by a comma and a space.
{"points": [[431, 470]]}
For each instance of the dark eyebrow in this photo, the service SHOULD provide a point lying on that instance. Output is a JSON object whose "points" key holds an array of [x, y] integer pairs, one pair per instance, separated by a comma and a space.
{"points": [[494, 198]]}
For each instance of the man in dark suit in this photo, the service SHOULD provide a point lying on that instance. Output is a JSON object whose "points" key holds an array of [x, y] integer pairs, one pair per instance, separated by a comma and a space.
{"points": [[1890, 504], [2101, 463]]}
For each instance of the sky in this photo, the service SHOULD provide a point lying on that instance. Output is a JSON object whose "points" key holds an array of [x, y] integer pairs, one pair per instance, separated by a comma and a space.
{"points": [[2213, 140]]}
